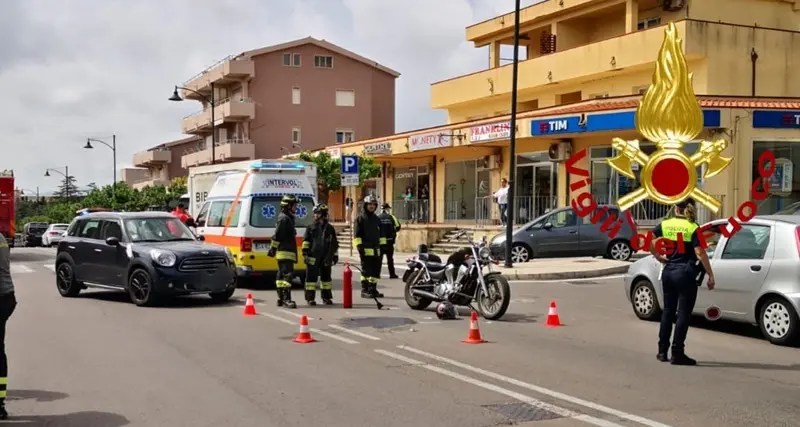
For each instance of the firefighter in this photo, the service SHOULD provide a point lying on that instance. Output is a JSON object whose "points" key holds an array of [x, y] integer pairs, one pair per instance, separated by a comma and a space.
{"points": [[367, 238], [389, 228], [321, 252], [8, 303], [284, 249]]}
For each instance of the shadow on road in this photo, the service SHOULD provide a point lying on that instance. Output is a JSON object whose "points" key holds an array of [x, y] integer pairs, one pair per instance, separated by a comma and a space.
{"points": [[37, 395], [728, 327], [195, 301], [75, 419], [757, 366], [520, 318]]}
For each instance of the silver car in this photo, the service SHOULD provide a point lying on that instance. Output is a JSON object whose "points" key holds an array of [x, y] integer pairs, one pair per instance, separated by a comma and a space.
{"points": [[757, 271]]}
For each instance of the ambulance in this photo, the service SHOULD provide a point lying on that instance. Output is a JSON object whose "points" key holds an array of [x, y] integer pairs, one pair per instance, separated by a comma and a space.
{"points": [[241, 209]]}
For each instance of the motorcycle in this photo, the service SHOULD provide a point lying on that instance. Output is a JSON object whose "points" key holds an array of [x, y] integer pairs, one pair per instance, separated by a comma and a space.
{"points": [[427, 280]]}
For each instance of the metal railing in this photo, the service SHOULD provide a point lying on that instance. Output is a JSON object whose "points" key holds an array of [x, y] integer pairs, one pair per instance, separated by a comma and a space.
{"points": [[207, 69], [648, 213], [526, 208], [219, 103]]}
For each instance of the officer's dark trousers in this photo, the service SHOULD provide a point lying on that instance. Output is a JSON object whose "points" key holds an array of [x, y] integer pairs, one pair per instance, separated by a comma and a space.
{"points": [[388, 250], [370, 269], [7, 305], [680, 294]]}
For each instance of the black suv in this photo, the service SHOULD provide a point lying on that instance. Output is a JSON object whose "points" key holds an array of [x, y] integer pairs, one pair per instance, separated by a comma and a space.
{"points": [[147, 254], [33, 233]]}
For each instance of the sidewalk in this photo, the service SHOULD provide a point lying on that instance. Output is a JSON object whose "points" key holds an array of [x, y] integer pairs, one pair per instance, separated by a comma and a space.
{"points": [[538, 269]]}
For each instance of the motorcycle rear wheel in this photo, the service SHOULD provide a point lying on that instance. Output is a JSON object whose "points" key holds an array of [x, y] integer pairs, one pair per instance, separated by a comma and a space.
{"points": [[492, 307]]}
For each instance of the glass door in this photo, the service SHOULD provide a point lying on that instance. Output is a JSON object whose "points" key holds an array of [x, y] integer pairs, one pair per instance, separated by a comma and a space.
{"points": [[538, 201]]}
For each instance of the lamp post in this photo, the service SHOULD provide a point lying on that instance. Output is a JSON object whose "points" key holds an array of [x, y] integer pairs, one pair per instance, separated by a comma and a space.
{"points": [[113, 147], [512, 142], [177, 97], [65, 174]]}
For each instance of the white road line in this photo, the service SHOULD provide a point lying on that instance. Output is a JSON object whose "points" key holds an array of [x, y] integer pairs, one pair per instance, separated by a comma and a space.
{"points": [[541, 390], [616, 276], [497, 389], [50, 267], [20, 268], [291, 312], [356, 333], [313, 330]]}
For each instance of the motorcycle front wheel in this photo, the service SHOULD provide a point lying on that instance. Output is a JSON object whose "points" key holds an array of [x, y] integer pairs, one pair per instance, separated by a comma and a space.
{"points": [[413, 301], [494, 305]]}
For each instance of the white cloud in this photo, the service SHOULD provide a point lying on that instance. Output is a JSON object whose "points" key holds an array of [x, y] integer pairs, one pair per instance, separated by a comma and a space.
{"points": [[72, 69]]}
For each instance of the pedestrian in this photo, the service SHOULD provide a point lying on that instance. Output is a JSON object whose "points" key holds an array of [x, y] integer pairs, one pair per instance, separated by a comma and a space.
{"points": [[321, 252], [389, 228], [679, 280], [502, 199], [367, 238], [424, 196], [284, 249], [408, 201], [8, 302]]}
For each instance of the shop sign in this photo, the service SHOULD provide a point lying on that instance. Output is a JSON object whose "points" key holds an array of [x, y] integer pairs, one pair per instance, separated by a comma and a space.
{"points": [[490, 132], [334, 152], [625, 120], [429, 141], [378, 148], [776, 119]]}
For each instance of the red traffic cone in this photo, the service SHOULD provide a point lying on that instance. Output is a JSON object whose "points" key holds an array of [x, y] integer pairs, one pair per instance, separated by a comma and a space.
{"points": [[249, 306], [304, 336], [552, 316], [474, 336]]}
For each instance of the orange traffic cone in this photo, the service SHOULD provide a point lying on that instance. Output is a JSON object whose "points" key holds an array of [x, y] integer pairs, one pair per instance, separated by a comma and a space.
{"points": [[249, 306], [552, 316], [474, 336], [304, 337]]}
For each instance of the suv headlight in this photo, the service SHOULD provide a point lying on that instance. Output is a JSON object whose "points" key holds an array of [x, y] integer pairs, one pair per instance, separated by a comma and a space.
{"points": [[485, 253], [231, 258], [163, 258]]}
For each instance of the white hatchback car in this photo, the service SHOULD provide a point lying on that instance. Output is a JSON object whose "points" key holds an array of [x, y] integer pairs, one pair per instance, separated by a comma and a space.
{"points": [[757, 272], [54, 234]]}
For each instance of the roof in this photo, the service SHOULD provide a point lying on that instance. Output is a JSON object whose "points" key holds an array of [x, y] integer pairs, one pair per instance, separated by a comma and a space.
{"points": [[149, 214], [323, 44], [792, 219]]}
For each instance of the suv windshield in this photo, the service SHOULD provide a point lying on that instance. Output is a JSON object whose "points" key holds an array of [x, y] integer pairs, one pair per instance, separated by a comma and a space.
{"points": [[265, 210], [157, 230]]}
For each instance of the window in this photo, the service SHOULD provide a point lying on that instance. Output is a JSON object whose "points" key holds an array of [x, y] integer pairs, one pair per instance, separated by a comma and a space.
{"points": [[345, 98], [295, 135], [750, 242], [323, 61], [90, 229], [157, 229], [344, 136], [649, 23], [112, 229], [219, 212], [202, 215], [296, 95], [565, 218], [291, 59], [264, 211]]}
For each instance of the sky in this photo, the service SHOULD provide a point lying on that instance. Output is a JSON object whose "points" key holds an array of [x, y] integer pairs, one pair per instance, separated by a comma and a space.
{"points": [[77, 69]]}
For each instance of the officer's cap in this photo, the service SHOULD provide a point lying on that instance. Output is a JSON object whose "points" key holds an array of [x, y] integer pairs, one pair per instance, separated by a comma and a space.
{"points": [[686, 202]]}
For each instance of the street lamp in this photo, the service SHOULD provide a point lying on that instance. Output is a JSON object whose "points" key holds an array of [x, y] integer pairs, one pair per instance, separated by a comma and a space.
{"points": [[512, 142], [65, 174], [177, 97], [113, 147]]}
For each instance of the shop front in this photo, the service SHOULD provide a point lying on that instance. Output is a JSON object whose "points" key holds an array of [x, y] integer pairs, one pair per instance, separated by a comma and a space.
{"points": [[784, 193], [536, 186]]}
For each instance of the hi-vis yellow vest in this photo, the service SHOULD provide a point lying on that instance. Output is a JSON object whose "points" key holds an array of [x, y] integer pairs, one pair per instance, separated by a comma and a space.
{"points": [[671, 228]]}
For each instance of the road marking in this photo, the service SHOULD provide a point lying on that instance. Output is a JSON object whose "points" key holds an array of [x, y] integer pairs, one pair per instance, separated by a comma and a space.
{"points": [[50, 267], [616, 276], [541, 390], [356, 333], [314, 330], [20, 268], [504, 391], [290, 312]]}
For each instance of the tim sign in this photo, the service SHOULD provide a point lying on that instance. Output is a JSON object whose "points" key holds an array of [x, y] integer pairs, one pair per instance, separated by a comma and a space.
{"points": [[490, 132]]}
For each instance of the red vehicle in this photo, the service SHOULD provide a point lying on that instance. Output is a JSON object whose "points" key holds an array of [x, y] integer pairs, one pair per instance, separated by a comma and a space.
{"points": [[7, 212]]}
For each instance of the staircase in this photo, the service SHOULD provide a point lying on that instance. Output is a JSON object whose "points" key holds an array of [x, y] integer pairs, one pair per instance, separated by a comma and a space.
{"points": [[343, 236], [449, 243]]}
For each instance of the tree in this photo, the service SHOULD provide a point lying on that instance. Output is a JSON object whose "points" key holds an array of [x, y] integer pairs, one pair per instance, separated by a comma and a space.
{"points": [[329, 177], [67, 187]]}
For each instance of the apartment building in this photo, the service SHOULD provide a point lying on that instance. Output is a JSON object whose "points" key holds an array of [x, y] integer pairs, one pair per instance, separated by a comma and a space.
{"points": [[159, 164], [296, 96]]}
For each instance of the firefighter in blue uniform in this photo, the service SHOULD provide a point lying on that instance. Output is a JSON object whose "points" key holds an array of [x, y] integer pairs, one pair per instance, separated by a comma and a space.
{"points": [[284, 249], [389, 228], [679, 280], [367, 239], [321, 252]]}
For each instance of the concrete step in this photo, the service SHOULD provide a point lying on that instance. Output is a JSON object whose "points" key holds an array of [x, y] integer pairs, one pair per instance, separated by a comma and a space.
{"points": [[446, 247]]}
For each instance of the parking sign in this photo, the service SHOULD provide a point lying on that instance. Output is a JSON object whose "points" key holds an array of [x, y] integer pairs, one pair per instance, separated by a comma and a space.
{"points": [[350, 165]]}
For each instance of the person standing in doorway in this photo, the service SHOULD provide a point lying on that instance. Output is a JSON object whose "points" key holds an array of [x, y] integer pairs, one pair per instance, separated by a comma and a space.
{"points": [[502, 199], [423, 203], [389, 228], [8, 302], [408, 200]]}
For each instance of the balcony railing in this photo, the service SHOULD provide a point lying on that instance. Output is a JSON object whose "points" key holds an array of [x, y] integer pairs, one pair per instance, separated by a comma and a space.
{"points": [[224, 71], [152, 157], [224, 151], [227, 110]]}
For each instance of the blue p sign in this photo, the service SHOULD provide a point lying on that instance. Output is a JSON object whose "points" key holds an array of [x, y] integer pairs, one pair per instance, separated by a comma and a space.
{"points": [[349, 165]]}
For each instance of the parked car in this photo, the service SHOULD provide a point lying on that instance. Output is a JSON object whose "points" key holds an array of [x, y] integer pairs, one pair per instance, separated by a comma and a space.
{"points": [[54, 234], [33, 232], [562, 233], [149, 255], [757, 271]]}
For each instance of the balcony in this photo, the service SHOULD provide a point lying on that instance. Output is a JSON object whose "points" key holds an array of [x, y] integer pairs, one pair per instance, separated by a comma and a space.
{"points": [[144, 159], [149, 182], [225, 151], [226, 111], [631, 52], [224, 72]]}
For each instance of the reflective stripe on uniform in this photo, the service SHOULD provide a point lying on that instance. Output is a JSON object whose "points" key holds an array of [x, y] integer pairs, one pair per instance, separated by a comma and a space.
{"points": [[357, 241], [306, 244], [671, 228], [282, 284], [311, 260], [286, 256], [326, 285], [383, 241], [369, 252], [311, 286], [275, 244], [373, 280], [3, 385]]}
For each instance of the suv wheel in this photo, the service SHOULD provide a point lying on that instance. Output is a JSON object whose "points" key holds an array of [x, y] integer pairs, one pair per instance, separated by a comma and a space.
{"points": [[223, 296], [140, 288], [778, 321], [65, 280]]}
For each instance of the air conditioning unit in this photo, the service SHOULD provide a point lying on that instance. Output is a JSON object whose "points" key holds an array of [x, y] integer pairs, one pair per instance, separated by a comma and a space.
{"points": [[560, 151], [673, 5]]}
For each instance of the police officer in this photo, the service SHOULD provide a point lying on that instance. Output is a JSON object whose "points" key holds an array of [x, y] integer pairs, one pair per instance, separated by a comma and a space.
{"points": [[321, 252], [284, 249], [7, 305], [679, 280], [367, 238], [389, 228]]}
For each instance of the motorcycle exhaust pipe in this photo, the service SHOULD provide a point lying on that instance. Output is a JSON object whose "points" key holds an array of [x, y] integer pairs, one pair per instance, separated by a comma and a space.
{"points": [[425, 294], [713, 313]]}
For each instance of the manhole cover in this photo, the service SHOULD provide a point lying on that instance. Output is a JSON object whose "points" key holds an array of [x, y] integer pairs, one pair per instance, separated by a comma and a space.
{"points": [[377, 322], [522, 412]]}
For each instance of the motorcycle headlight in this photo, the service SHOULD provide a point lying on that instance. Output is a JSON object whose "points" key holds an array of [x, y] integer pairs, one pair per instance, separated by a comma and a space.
{"points": [[163, 258], [231, 258], [485, 253]]}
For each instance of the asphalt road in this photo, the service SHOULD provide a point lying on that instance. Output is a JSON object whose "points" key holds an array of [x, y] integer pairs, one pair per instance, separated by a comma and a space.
{"points": [[99, 361]]}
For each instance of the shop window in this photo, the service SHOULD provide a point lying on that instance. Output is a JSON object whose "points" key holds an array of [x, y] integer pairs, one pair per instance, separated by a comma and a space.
{"points": [[784, 192]]}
